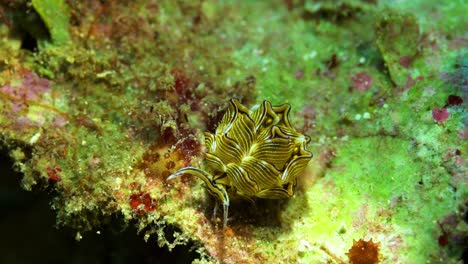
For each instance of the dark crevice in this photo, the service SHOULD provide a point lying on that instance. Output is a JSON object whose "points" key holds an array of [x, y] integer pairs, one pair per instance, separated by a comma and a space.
{"points": [[28, 42], [29, 235], [25, 24]]}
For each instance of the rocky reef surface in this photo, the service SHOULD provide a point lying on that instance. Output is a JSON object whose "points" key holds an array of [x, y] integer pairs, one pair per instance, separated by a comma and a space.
{"points": [[100, 101]]}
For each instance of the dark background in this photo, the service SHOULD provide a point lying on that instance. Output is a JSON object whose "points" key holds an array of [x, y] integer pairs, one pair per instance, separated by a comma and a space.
{"points": [[28, 233]]}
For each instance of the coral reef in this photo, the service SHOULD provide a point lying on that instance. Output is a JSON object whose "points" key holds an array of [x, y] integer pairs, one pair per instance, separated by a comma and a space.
{"points": [[101, 101]]}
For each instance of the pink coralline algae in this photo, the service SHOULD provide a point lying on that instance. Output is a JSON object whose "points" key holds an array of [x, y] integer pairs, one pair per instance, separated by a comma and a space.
{"points": [[440, 114], [60, 121], [24, 94], [31, 88], [362, 81]]}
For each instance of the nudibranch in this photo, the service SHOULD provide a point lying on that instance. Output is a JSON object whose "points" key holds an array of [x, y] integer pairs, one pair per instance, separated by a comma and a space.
{"points": [[253, 153]]}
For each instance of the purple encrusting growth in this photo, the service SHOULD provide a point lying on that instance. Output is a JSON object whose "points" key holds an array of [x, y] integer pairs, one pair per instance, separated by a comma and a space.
{"points": [[27, 92], [31, 87]]}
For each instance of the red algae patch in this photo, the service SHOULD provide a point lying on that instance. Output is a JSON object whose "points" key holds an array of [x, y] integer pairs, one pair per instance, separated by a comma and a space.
{"points": [[440, 114], [363, 252], [53, 174], [362, 81], [454, 100], [142, 202]]}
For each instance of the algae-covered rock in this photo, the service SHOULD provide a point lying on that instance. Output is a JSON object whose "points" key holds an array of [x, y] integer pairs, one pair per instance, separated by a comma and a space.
{"points": [[335, 10], [39, 23], [121, 96], [398, 39], [55, 14]]}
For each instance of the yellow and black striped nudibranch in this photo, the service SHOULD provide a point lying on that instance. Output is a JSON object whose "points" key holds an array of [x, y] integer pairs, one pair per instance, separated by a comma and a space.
{"points": [[253, 153]]}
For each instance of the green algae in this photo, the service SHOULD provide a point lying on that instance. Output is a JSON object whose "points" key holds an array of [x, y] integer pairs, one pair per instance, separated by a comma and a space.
{"points": [[398, 40], [55, 15], [38, 24], [362, 197], [395, 175]]}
